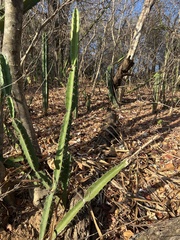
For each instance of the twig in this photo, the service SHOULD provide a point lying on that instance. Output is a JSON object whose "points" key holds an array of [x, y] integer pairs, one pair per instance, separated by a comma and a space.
{"points": [[3, 195], [129, 159], [96, 225]]}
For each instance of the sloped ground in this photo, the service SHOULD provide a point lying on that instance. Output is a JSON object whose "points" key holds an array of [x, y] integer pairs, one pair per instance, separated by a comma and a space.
{"points": [[145, 193]]}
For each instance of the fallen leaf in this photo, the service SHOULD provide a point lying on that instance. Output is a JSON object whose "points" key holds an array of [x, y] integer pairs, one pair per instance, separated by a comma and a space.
{"points": [[168, 167], [128, 234]]}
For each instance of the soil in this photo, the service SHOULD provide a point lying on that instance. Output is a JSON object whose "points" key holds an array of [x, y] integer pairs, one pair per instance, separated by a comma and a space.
{"points": [[142, 195]]}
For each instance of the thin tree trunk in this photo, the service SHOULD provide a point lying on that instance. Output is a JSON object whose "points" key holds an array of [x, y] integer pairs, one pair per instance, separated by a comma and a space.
{"points": [[1, 129], [133, 46], [28, 4], [1, 107], [11, 49], [137, 32]]}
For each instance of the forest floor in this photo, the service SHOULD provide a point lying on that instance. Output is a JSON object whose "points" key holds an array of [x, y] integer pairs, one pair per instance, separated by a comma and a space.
{"points": [[144, 193]]}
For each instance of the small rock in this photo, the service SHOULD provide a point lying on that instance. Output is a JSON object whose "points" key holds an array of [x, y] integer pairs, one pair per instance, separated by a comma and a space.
{"points": [[39, 195]]}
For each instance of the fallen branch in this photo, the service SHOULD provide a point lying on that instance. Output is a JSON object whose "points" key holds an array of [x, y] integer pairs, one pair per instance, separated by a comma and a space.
{"points": [[134, 155]]}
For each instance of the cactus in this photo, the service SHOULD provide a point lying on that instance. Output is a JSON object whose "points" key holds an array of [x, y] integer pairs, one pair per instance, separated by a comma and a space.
{"points": [[74, 49], [91, 192], [63, 158], [5, 77], [95, 188], [5, 89], [26, 145], [20, 131], [113, 94], [109, 82], [156, 91]]}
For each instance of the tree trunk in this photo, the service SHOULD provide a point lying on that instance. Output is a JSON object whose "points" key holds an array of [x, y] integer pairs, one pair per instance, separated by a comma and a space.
{"points": [[28, 4], [164, 230], [11, 49], [121, 74], [1, 107], [137, 33], [59, 37], [1, 129]]}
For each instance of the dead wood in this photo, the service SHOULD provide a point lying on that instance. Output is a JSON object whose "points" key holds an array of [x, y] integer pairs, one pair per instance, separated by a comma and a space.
{"points": [[168, 229], [122, 71]]}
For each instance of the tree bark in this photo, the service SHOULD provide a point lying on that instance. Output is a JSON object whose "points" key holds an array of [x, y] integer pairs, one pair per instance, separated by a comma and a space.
{"points": [[11, 49], [59, 37], [1, 129], [1, 107], [166, 230], [128, 62], [28, 4], [137, 32]]}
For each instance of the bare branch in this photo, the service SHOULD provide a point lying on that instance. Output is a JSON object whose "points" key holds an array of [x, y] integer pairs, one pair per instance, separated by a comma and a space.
{"points": [[41, 28]]}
